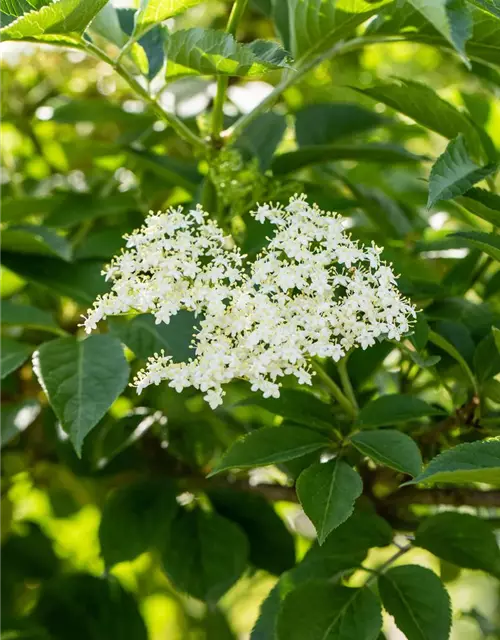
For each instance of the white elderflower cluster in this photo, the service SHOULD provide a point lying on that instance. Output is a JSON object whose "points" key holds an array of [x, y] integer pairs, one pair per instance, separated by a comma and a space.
{"points": [[312, 292]]}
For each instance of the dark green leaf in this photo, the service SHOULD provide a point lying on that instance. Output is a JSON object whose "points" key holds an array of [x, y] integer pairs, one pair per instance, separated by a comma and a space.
{"points": [[76, 208], [394, 409], [323, 611], [460, 538], [272, 546], [487, 242], [369, 152], [390, 448], [18, 7], [482, 203], [327, 492], [271, 445], [144, 337], [173, 170], [13, 355], [490, 6], [204, 554], [262, 136], [93, 608], [16, 209], [16, 418], [134, 519], [418, 601], [24, 315], [36, 240], [451, 350], [487, 358], [454, 172], [469, 462], [82, 379], [152, 41]]}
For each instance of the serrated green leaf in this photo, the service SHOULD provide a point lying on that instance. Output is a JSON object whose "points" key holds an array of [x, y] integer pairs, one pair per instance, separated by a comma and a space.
{"points": [[24, 315], [369, 152], [327, 492], [63, 17], [210, 52], [270, 445], [204, 554], [460, 538], [394, 409], [482, 203], [144, 511], [487, 242], [18, 7], [16, 417], [469, 462], [155, 11], [323, 611], [418, 601], [454, 172], [490, 6], [390, 448], [82, 379], [37, 240], [451, 18], [13, 355]]}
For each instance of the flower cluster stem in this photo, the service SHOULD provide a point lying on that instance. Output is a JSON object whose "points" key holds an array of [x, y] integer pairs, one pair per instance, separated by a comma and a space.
{"points": [[334, 389], [346, 382]]}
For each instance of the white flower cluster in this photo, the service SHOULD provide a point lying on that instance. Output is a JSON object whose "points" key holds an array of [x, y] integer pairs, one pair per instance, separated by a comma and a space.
{"points": [[312, 292]]}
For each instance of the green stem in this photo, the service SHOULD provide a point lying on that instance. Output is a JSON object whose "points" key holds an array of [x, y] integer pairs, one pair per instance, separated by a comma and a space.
{"points": [[334, 389], [346, 382], [377, 572], [222, 81], [179, 127]]}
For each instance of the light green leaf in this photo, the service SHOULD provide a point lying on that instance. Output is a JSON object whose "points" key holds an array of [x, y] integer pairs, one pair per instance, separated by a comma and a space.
{"points": [[327, 492], [390, 448], [418, 601], [209, 52], [487, 242], [204, 554], [462, 539], [309, 27], [17, 209], [482, 203], [65, 17], [82, 379], [325, 611], [144, 511], [469, 462], [36, 240], [107, 25], [18, 7], [155, 11], [490, 6], [421, 103], [369, 152], [451, 18], [394, 409], [454, 172], [271, 445], [13, 355], [16, 417], [24, 315]]}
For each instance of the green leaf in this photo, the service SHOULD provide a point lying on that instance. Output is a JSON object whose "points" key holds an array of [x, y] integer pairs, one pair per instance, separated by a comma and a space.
{"points": [[16, 417], [327, 492], [13, 355], [144, 511], [261, 137], [487, 358], [390, 448], [209, 52], [175, 171], [454, 172], [326, 123], [394, 409], [487, 242], [418, 601], [107, 25], [462, 539], [446, 346], [76, 208], [64, 17], [451, 18], [93, 608], [36, 240], [155, 11], [270, 445], [323, 611], [82, 379], [204, 554], [369, 152], [80, 281], [272, 546], [469, 462], [482, 203], [309, 27], [16, 209], [144, 337], [297, 406], [151, 42], [421, 103], [490, 6], [18, 7], [24, 315]]}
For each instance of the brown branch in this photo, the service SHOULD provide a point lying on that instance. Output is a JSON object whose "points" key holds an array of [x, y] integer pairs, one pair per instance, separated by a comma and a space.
{"points": [[456, 497]]}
